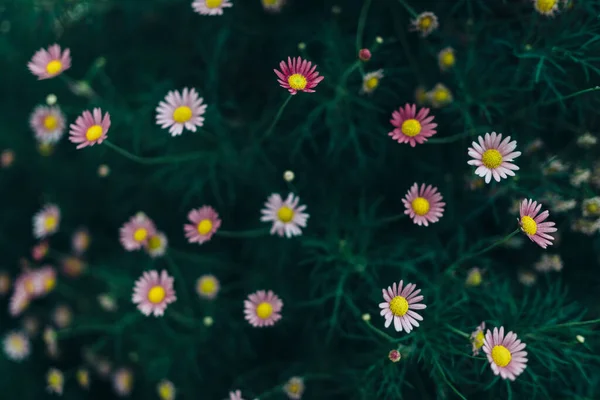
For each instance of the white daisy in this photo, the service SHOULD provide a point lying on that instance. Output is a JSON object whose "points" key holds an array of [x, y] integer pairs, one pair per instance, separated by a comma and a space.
{"points": [[287, 216], [46, 221], [210, 7], [181, 110], [493, 157]]}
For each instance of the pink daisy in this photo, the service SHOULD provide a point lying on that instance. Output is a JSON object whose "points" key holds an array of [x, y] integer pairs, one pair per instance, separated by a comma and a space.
{"points": [[412, 127], [48, 124], [505, 353], [46, 221], [210, 7], [235, 395], [532, 224], [152, 293], [400, 303], [262, 308], [80, 241], [493, 157], [298, 75], [204, 223], [136, 232], [19, 301], [89, 129], [49, 63], [423, 205], [181, 110], [477, 338], [287, 216]]}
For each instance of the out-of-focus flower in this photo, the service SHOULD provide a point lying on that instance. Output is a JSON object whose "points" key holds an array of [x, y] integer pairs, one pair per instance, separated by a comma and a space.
{"points": [[494, 157], [134, 234], [107, 302], [412, 127], [235, 395], [549, 262], [48, 124], [586, 226], [90, 128], [534, 146], [439, 96], [286, 215], [73, 266], [561, 206], [446, 58], [122, 380], [181, 110], [288, 176], [553, 167], [80, 241], [546, 7], [153, 293], [49, 63], [421, 98], [364, 55], [273, 5], [40, 250], [157, 245], [204, 223], [207, 287], [587, 140], [16, 346], [505, 353], [580, 176], [394, 356], [62, 316], [294, 388], [83, 378], [7, 157], [533, 225], [262, 308], [298, 75], [424, 205], [210, 7], [103, 170], [5, 283], [425, 23], [591, 207], [166, 390], [526, 278], [55, 380], [371, 81], [50, 341], [400, 305], [474, 277], [477, 338], [46, 221]]}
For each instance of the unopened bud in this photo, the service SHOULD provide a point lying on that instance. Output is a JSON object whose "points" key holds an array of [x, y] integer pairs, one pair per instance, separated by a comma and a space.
{"points": [[394, 356], [364, 54], [580, 338], [208, 321], [51, 99], [288, 176], [366, 317]]}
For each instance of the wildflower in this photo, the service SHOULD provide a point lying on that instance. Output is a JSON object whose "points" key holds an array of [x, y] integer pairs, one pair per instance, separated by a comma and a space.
{"points": [[587, 140], [554, 166], [122, 380], [439, 96], [80, 241], [287, 216], [580, 339], [288, 176], [181, 110], [55, 381], [51, 342], [298, 75], [371, 81], [103, 170], [580, 176], [425, 23], [586, 226], [493, 157], [207, 287], [549, 263], [446, 58], [204, 223], [424, 205], [4, 283], [153, 293], [546, 7], [421, 96], [534, 146], [134, 234], [591, 207], [474, 277], [107, 302], [62, 316], [49, 63], [46, 221], [235, 395], [72, 266], [7, 158], [505, 353], [16, 346], [83, 378], [563, 205], [412, 127], [532, 224], [364, 55], [262, 308], [19, 301], [400, 303], [294, 388], [526, 278], [477, 338], [90, 128], [48, 124], [207, 321], [166, 390], [210, 7], [394, 356], [273, 5], [51, 99], [157, 245]]}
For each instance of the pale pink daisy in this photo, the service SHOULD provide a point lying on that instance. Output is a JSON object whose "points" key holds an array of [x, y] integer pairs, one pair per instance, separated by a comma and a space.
{"points": [[16, 346], [210, 7], [505, 353], [298, 75], [412, 127], [157, 245], [477, 338], [262, 308], [49, 63], [400, 303], [153, 293], [19, 301], [181, 110], [493, 157], [89, 129], [532, 223], [286, 215], [273, 5], [424, 205], [136, 232], [294, 388], [204, 223], [46, 221], [425, 23], [48, 124], [235, 395], [80, 241]]}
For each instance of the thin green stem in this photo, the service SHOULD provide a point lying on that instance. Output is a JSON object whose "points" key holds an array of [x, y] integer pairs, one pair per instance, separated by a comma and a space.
{"points": [[185, 320], [153, 161], [242, 234], [276, 119], [445, 378], [459, 332], [390, 219], [569, 324], [179, 277], [595, 88], [408, 8], [380, 332]]}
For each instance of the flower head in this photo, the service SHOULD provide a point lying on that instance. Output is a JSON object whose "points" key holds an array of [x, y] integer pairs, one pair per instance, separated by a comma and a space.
{"points": [[298, 75], [287, 216], [364, 54], [399, 305], [533, 225], [294, 388], [19, 301], [40, 250], [425, 23], [262, 308], [546, 7], [505, 353], [394, 356], [72, 266], [48, 124], [235, 395], [587, 140], [421, 98], [122, 380], [62, 316], [207, 287], [166, 390], [371, 81], [153, 293], [273, 5], [83, 378], [549, 262], [412, 127], [136, 232], [55, 380], [591, 207], [204, 223], [7, 157], [493, 157], [477, 338], [46, 221], [446, 58], [181, 110], [474, 277], [439, 96], [424, 205], [49, 63], [16, 346], [90, 128], [80, 241], [157, 245], [210, 7]]}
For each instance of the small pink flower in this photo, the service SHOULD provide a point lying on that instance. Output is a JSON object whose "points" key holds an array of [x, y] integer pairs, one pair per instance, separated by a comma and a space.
{"points": [[153, 293], [40, 250], [298, 75], [532, 223], [235, 395], [136, 232], [46, 221], [423, 205], [412, 127], [204, 223], [477, 338], [181, 110], [364, 54], [294, 388], [493, 157], [210, 7], [287, 216], [7, 158], [262, 308], [399, 305], [19, 301], [48, 124], [49, 63], [89, 129], [505, 353], [80, 241], [394, 356]]}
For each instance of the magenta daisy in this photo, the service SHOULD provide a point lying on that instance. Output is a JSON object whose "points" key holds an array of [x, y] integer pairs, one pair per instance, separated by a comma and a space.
{"points": [[136, 232], [412, 127], [298, 75], [424, 205], [262, 308], [210, 7], [532, 223], [49, 63], [286, 215], [46, 221], [181, 110], [204, 223], [89, 128], [48, 124], [400, 303], [493, 157], [505, 353], [153, 293]]}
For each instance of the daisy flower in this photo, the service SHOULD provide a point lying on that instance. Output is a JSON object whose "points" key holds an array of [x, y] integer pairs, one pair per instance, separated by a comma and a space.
{"points": [[549, 263], [62, 316], [235, 395], [273, 5], [166, 390], [424, 205], [532, 223], [591, 207], [505, 353], [439, 96], [48, 124], [580, 176], [587, 140], [19, 301], [157, 245], [425, 23], [474, 277], [294, 388], [371, 81], [262, 308], [210, 7], [207, 287], [83, 378], [287, 216], [298, 75], [90, 128], [493, 157], [49, 63], [46, 221], [16, 346], [55, 380], [412, 127], [477, 338], [72, 266], [421, 96], [400, 303], [153, 293], [204, 223], [134, 234], [80, 241], [546, 7], [122, 380], [181, 110], [446, 58]]}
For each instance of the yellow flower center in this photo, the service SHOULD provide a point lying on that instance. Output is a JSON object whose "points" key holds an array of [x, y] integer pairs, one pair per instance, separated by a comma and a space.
{"points": [[372, 83], [83, 378], [50, 223], [208, 285], [93, 133], [140, 235], [501, 356], [165, 391], [399, 306], [269, 2], [156, 294], [478, 340], [592, 208], [441, 95], [29, 287], [182, 114], [448, 59], [297, 81], [55, 379], [294, 388], [49, 283], [528, 225], [491, 158], [425, 22], [285, 214], [411, 127], [154, 242], [264, 310], [213, 3], [50, 122], [54, 67], [546, 5], [474, 278], [17, 343], [204, 226], [420, 206]]}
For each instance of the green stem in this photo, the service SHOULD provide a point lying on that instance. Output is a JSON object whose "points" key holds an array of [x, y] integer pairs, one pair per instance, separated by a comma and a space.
{"points": [[390, 219], [408, 8], [461, 333], [362, 20], [242, 234], [152, 161], [595, 88], [568, 324], [277, 117], [179, 277], [380, 332]]}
